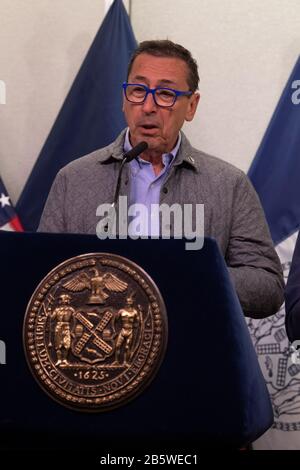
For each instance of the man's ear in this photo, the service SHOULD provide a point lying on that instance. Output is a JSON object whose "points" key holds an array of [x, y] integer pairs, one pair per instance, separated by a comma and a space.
{"points": [[192, 106]]}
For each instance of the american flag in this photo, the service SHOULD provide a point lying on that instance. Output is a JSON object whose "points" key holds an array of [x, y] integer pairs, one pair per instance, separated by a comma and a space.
{"points": [[8, 217]]}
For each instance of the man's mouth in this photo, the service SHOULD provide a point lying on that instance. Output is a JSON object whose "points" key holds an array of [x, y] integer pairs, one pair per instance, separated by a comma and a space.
{"points": [[148, 128]]}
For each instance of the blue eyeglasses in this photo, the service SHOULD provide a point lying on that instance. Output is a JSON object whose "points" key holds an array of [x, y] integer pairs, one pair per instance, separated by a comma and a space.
{"points": [[164, 97]]}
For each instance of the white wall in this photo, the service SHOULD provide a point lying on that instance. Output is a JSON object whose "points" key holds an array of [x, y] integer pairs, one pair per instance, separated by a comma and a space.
{"points": [[245, 50]]}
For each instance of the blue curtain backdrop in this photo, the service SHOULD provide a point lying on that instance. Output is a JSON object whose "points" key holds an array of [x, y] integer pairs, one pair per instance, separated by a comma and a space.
{"points": [[91, 116]]}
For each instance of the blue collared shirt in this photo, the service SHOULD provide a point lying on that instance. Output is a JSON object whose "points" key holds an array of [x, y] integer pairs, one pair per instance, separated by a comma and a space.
{"points": [[145, 189]]}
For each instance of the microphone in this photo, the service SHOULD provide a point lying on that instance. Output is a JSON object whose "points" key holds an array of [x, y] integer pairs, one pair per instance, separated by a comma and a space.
{"points": [[135, 151], [127, 157]]}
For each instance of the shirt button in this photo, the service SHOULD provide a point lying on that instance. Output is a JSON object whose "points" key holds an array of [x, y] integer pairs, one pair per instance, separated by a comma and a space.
{"points": [[165, 189]]}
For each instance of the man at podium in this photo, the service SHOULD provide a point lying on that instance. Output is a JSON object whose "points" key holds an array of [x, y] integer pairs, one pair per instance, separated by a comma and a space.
{"points": [[160, 94]]}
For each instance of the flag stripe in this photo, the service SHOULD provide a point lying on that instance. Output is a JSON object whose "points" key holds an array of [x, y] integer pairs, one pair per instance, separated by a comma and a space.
{"points": [[8, 217], [16, 224]]}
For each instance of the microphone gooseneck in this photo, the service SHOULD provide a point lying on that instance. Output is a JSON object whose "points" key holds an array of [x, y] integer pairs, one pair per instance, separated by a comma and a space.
{"points": [[127, 157]]}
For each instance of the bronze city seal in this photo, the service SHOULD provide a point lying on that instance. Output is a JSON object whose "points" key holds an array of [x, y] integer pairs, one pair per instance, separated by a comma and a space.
{"points": [[95, 331]]}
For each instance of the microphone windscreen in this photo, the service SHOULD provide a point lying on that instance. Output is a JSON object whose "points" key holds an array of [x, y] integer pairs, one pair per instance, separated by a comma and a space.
{"points": [[135, 151]]}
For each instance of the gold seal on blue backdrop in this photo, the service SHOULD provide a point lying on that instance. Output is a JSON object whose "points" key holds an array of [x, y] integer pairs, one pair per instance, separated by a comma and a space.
{"points": [[95, 331]]}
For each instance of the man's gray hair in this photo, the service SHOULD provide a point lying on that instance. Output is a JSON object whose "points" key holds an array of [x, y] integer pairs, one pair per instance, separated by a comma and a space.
{"points": [[167, 48]]}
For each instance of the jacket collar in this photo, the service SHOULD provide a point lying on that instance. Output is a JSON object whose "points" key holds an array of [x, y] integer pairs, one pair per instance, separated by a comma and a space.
{"points": [[185, 155], [114, 150]]}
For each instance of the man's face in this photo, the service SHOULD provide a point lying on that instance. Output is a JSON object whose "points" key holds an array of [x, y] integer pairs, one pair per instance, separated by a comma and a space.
{"points": [[148, 122]]}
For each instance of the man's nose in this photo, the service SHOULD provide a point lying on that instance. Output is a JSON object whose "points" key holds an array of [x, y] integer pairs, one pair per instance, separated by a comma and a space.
{"points": [[149, 105]]}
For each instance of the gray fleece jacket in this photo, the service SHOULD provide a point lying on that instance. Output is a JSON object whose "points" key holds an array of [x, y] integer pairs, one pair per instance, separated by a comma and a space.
{"points": [[232, 213]]}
